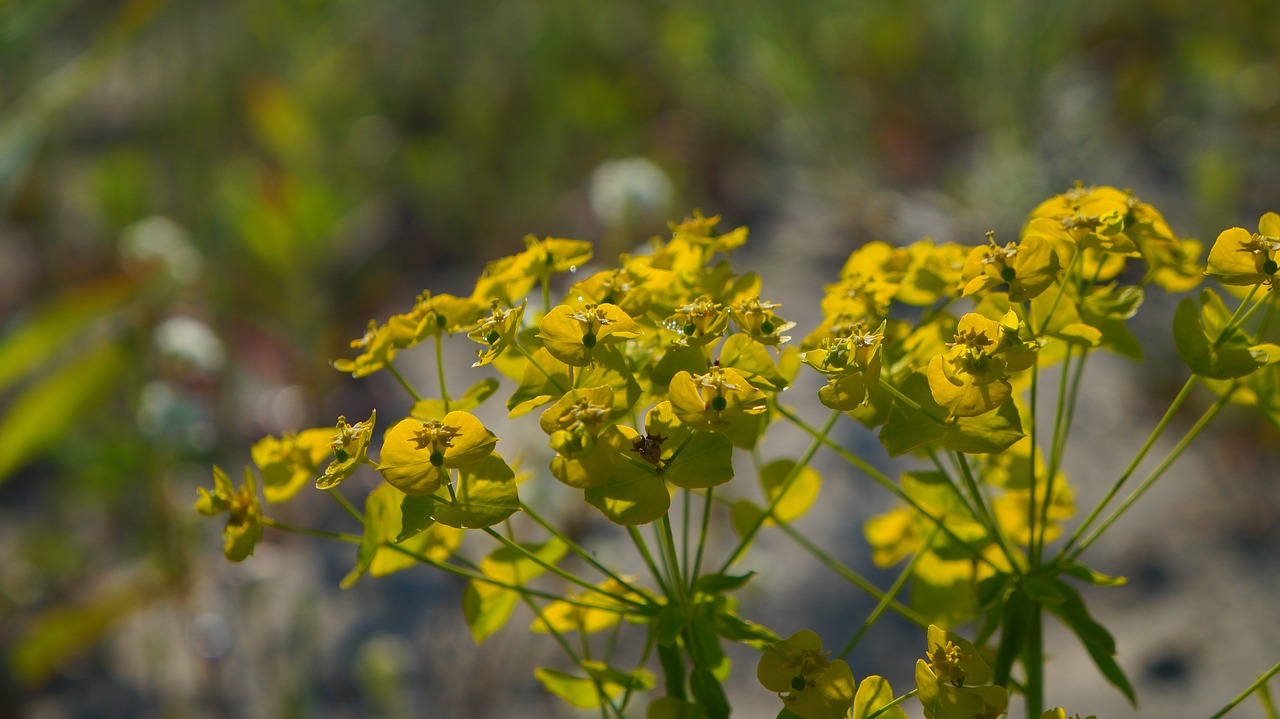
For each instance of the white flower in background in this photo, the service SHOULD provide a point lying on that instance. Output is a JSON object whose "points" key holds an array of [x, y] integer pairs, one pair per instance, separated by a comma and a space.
{"points": [[189, 340], [159, 239], [634, 188]]}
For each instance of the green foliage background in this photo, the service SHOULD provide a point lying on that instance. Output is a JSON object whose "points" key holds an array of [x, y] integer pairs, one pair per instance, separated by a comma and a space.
{"points": [[322, 158]]}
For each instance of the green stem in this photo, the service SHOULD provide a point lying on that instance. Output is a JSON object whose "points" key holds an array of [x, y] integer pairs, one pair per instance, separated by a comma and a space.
{"points": [[643, 549], [853, 577], [684, 537], [886, 599], [702, 534], [892, 704], [668, 542], [444, 393], [338, 536], [1033, 663], [480, 577], [403, 382], [898, 395], [1244, 694], [750, 534], [577, 548], [889, 485], [337, 496], [992, 525], [558, 571], [1191, 434], [573, 656], [554, 382], [1059, 417], [1133, 465], [1034, 557]]}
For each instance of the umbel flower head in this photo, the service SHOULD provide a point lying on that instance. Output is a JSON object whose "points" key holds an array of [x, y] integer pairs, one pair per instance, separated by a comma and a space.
{"points": [[244, 513]]}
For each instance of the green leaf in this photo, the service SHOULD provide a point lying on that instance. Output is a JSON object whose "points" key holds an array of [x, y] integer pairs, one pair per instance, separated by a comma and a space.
{"points": [[721, 583], [873, 694], [743, 353], [1080, 571], [704, 646], [486, 608], [381, 520], [1195, 332], [709, 694], [1014, 617], [1096, 639], [729, 625], [47, 409], [486, 494], [633, 495], [909, 428], [415, 514], [706, 460], [989, 433], [584, 692], [669, 624]]}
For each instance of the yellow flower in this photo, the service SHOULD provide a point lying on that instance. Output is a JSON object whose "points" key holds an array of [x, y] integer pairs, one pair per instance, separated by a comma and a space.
{"points": [[1239, 257], [509, 279], [955, 681], [350, 446], [288, 462], [755, 317], [571, 334], [377, 349], [701, 231], [418, 454], [810, 685], [1028, 268], [619, 287], [711, 401], [851, 363], [496, 332], [431, 315], [970, 379], [698, 323], [244, 513]]}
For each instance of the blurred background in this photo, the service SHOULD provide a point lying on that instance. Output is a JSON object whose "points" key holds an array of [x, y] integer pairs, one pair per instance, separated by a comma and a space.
{"points": [[201, 203]]}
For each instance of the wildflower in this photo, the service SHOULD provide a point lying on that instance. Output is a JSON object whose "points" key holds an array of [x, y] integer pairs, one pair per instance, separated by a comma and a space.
{"points": [[700, 231], [570, 334], [289, 461], [1028, 268], [244, 513], [970, 379], [810, 685], [350, 446], [851, 363], [431, 315], [954, 682], [755, 317], [377, 349], [1239, 257], [496, 332], [712, 400], [698, 323], [418, 454]]}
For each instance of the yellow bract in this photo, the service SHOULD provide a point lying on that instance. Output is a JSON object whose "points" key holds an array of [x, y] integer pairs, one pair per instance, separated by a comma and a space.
{"points": [[1239, 257], [810, 685], [418, 454], [244, 513], [712, 400], [570, 334], [288, 462]]}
